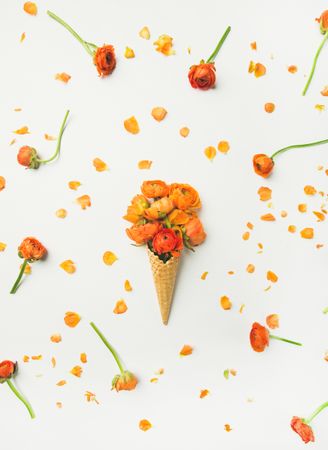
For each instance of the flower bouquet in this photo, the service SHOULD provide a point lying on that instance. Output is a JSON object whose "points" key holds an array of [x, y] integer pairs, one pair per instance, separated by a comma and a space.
{"points": [[164, 218]]}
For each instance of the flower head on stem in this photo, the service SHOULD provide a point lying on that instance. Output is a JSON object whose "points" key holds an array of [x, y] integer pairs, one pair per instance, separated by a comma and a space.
{"points": [[260, 337]]}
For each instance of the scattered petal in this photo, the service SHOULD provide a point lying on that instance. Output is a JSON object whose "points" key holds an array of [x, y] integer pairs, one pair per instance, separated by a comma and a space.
{"points": [[164, 45], [145, 425], [99, 165], [184, 131], [283, 214], [223, 147], [23, 130], [129, 53], [257, 68], [30, 8], [2, 246], [154, 380], [56, 338], [292, 69], [250, 225], [2, 183], [12, 142], [90, 397], [269, 107], [210, 153], [71, 319], [246, 235], [26, 359], [84, 201], [264, 193], [120, 307], [272, 321], [144, 33], [227, 427], [83, 358], [127, 286], [158, 113], [204, 276], [144, 164], [59, 405], [64, 77], [253, 45], [204, 393], [186, 350], [268, 218], [53, 362], [292, 228], [131, 125], [109, 258], [49, 138], [319, 107], [302, 207], [74, 185], [68, 265], [23, 36], [36, 357], [250, 268], [324, 91], [225, 302], [61, 213], [307, 233], [271, 276], [77, 371], [61, 383], [320, 216], [310, 190]]}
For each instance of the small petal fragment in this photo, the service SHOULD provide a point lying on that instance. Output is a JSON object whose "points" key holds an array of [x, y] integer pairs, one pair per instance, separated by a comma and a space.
{"points": [[184, 131], [30, 8], [310, 190], [129, 53], [84, 201], [76, 371], [292, 69], [225, 303], [186, 350], [68, 265], [164, 45], [99, 165], [271, 276], [264, 193], [272, 321], [2, 246], [23, 130], [158, 113], [64, 77], [268, 218], [109, 258], [307, 233], [120, 307], [204, 393], [145, 425], [210, 153], [131, 125], [204, 275], [127, 286], [72, 319], [83, 358], [61, 213], [144, 164], [56, 338], [223, 147], [74, 185], [269, 107], [144, 33], [2, 183]]}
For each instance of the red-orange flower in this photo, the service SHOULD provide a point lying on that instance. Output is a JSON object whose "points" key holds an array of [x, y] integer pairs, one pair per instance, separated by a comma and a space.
{"points": [[323, 20], [263, 165], [154, 189], [31, 249], [184, 196], [105, 60], [302, 429], [7, 370], [28, 157], [195, 231], [259, 337], [202, 76], [143, 233], [125, 381], [167, 241]]}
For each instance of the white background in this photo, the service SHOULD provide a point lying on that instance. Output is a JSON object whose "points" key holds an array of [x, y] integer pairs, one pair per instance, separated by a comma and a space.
{"points": [[281, 382]]}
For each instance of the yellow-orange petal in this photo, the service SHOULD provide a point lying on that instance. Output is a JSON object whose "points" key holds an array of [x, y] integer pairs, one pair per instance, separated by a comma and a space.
{"points": [[251, 67], [72, 319], [225, 303], [292, 228], [30, 8], [27, 270], [253, 45], [144, 33], [264, 193], [268, 218], [324, 91], [164, 45], [129, 53], [76, 371], [84, 201], [109, 258], [184, 132], [64, 77], [131, 125], [302, 207], [250, 225], [272, 320], [319, 107], [99, 165], [246, 235], [55, 338], [145, 425], [120, 307], [227, 427], [26, 359], [2, 246], [319, 215], [210, 152], [68, 265], [292, 69], [53, 362], [204, 393], [186, 350], [144, 164], [22, 130], [307, 233], [2, 183], [61, 383], [271, 276], [48, 137], [269, 107], [127, 286], [74, 185], [250, 268], [223, 146], [83, 358], [204, 275], [259, 70], [310, 190], [23, 36], [159, 113], [61, 213]]}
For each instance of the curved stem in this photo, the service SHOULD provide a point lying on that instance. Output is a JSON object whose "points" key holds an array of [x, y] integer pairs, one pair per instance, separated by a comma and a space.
{"points": [[272, 336], [314, 63], [21, 273], [110, 348], [45, 161], [73, 32], [217, 48], [310, 144], [21, 398], [316, 412]]}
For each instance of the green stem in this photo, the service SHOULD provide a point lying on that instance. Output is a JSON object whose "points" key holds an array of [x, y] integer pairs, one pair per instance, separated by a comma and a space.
{"points": [[316, 412], [167, 222], [21, 398], [73, 32], [217, 48], [310, 144], [110, 348], [272, 336], [45, 161], [21, 273], [315, 63]]}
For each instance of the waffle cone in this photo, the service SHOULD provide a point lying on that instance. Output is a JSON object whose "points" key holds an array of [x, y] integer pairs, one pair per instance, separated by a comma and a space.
{"points": [[164, 275]]}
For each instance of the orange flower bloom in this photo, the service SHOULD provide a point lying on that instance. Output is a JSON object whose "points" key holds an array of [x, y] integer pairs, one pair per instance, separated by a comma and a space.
{"points": [[28, 157], [105, 60], [31, 249], [195, 231], [202, 76], [159, 208], [259, 337], [178, 217], [323, 20], [135, 211], [263, 165], [184, 196], [125, 381], [167, 241], [7, 370], [143, 233], [302, 429], [154, 189]]}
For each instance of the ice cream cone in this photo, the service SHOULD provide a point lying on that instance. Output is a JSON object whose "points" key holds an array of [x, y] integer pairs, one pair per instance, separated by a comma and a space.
{"points": [[164, 275]]}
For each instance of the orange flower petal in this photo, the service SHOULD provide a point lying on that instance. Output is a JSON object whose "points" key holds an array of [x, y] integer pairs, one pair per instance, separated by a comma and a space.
{"points": [[319, 107], [164, 45], [250, 225], [186, 350], [61, 383], [268, 218], [307, 233], [210, 153], [292, 228], [302, 207], [2, 246], [26, 359], [225, 303], [61, 213], [127, 286], [204, 393], [76, 371], [145, 425], [264, 193], [129, 53], [246, 235], [84, 201], [223, 146], [109, 258], [99, 165], [144, 33], [272, 321], [2, 183], [292, 69], [23, 130], [320, 216], [310, 190], [253, 45], [53, 362], [271, 276], [269, 107], [30, 8], [71, 319], [131, 125], [49, 138], [227, 427], [83, 358], [158, 113], [250, 268], [184, 131], [68, 265], [36, 357], [56, 338], [120, 307], [74, 185], [23, 36], [204, 275], [64, 77], [324, 91], [144, 164], [283, 214]]}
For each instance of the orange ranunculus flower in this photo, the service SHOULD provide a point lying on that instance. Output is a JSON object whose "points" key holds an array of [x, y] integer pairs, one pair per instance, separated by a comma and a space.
{"points": [[31, 249], [167, 241], [202, 76], [143, 233], [159, 208], [125, 381], [195, 231], [7, 370], [263, 164], [259, 337], [154, 189], [136, 209], [302, 429], [105, 60], [323, 20], [184, 196], [178, 217], [28, 157]]}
